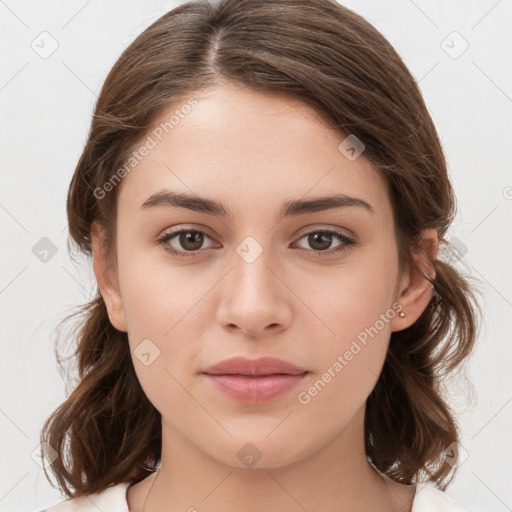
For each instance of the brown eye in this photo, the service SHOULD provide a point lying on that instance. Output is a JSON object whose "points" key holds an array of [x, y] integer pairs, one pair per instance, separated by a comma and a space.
{"points": [[185, 242], [320, 241], [191, 240]]}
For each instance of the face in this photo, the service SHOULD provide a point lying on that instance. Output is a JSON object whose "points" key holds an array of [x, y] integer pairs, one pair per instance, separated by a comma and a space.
{"points": [[315, 288]]}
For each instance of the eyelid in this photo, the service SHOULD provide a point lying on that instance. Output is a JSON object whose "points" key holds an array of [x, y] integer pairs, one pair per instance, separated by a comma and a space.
{"points": [[301, 233], [178, 228], [323, 227]]}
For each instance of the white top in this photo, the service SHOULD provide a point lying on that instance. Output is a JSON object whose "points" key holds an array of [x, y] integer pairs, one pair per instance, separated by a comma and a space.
{"points": [[113, 499]]}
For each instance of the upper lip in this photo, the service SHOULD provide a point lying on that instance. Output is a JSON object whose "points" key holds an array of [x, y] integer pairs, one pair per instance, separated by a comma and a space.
{"points": [[261, 366]]}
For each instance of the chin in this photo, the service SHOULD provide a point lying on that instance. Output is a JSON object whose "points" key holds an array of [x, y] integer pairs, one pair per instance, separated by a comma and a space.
{"points": [[261, 452]]}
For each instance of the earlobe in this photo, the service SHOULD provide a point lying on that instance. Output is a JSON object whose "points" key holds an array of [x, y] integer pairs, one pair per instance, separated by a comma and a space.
{"points": [[418, 292], [107, 280]]}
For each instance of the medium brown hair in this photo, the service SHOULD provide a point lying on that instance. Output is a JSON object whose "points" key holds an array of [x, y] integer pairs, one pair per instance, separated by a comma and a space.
{"points": [[107, 431]]}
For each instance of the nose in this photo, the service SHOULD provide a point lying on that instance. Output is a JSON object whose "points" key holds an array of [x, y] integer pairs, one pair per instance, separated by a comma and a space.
{"points": [[255, 298]]}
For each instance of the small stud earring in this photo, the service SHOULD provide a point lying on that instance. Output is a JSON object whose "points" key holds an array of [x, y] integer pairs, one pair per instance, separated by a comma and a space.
{"points": [[401, 314]]}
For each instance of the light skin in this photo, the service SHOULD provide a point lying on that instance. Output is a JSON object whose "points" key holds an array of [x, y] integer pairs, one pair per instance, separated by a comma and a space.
{"points": [[252, 152]]}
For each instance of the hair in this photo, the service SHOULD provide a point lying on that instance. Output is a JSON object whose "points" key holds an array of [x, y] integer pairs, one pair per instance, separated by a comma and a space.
{"points": [[107, 431]]}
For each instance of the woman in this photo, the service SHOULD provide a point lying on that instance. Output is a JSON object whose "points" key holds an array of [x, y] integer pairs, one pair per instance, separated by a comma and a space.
{"points": [[264, 197]]}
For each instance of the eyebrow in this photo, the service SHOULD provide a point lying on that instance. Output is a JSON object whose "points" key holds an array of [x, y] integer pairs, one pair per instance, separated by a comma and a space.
{"points": [[288, 208]]}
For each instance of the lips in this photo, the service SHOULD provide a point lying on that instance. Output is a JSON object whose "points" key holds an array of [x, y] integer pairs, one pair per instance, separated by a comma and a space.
{"points": [[254, 381]]}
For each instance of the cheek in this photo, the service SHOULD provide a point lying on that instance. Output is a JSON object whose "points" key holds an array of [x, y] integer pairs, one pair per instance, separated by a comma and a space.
{"points": [[164, 332], [354, 296], [355, 309], [164, 319], [159, 306], [349, 359], [333, 396], [157, 298]]}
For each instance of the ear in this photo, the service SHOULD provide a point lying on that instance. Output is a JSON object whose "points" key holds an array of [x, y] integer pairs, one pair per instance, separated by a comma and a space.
{"points": [[415, 291], [107, 279]]}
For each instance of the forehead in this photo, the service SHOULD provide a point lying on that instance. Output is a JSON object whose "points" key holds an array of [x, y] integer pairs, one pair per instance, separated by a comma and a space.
{"points": [[244, 147]]}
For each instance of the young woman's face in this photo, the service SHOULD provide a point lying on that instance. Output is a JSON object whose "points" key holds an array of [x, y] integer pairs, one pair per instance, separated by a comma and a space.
{"points": [[258, 283]]}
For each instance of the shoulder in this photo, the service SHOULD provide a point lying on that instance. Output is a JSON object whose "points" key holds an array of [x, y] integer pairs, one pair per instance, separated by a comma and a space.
{"points": [[112, 499], [430, 499]]}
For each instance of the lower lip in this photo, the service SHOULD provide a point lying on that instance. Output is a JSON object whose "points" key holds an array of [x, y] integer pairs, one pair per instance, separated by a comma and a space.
{"points": [[255, 389]]}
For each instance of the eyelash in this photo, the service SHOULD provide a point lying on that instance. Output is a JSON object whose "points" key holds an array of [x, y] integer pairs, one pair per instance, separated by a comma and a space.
{"points": [[347, 242]]}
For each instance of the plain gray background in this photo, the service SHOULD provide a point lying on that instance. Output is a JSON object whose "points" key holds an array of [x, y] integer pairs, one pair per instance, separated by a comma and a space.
{"points": [[47, 103]]}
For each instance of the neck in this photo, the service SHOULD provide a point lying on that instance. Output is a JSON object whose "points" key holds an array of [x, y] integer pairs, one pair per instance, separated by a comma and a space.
{"points": [[337, 477]]}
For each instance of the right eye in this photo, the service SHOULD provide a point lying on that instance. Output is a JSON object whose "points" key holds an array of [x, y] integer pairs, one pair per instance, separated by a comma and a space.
{"points": [[190, 240]]}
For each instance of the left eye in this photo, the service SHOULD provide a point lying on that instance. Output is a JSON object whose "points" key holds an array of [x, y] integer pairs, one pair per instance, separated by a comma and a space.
{"points": [[191, 241], [321, 240]]}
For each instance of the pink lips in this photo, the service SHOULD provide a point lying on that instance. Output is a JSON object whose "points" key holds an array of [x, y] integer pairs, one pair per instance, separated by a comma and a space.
{"points": [[254, 381]]}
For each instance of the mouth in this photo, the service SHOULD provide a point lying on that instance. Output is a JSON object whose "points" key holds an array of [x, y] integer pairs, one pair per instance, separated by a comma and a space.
{"points": [[254, 381], [255, 389]]}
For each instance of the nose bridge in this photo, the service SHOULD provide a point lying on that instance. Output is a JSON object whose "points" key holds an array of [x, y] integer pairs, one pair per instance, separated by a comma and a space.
{"points": [[252, 280], [254, 297]]}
